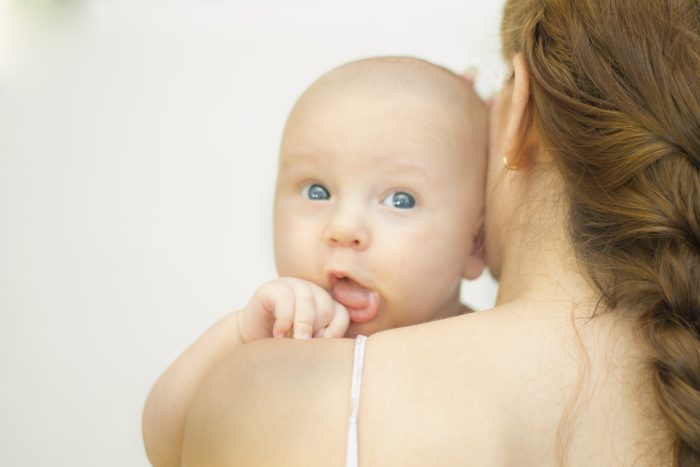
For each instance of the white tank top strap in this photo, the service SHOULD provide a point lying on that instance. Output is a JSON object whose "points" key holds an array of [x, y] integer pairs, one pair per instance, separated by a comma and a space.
{"points": [[351, 457]]}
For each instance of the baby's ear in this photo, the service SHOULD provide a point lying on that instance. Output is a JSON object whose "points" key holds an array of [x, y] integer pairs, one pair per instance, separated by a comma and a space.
{"points": [[475, 262]]}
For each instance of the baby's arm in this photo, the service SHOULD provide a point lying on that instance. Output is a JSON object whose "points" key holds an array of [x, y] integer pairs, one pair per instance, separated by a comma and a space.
{"points": [[277, 308]]}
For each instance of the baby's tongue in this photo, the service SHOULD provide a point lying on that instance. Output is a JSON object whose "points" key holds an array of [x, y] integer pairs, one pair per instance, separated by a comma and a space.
{"points": [[350, 293], [361, 302]]}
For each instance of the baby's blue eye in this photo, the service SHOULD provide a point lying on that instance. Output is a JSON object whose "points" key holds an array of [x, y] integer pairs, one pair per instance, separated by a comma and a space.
{"points": [[315, 192], [399, 200]]}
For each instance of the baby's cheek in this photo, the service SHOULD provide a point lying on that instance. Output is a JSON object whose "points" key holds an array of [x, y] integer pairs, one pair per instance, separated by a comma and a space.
{"points": [[290, 246], [290, 255], [402, 275]]}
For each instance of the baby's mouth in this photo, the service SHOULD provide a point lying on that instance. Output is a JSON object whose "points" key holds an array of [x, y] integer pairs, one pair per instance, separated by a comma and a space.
{"points": [[362, 303]]}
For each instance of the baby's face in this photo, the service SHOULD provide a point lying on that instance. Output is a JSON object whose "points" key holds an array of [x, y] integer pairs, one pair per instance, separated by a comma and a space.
{"points": [[377, 201]]}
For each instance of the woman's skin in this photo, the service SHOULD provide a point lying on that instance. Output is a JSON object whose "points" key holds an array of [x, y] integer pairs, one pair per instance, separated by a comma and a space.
{"points": [[528, 383]]}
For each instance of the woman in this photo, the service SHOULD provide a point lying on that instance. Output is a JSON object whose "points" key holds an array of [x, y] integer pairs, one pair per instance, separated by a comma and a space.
{"points": [[591, 356]]}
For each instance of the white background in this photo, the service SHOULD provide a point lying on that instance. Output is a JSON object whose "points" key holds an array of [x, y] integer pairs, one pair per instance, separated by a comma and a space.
{"points": [[138, 145]]}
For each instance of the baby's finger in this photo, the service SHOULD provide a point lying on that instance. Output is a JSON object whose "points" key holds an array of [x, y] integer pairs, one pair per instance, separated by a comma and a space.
{"points": [[339, 323], [283, 308], [325, 307], [304, 311]]}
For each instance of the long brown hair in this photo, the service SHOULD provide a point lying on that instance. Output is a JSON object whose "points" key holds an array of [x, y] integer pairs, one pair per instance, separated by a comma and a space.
{"points": [[615, 96]]}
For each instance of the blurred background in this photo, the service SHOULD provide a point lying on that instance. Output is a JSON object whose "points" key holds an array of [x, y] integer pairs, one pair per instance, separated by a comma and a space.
{"points": [[138, 144]]}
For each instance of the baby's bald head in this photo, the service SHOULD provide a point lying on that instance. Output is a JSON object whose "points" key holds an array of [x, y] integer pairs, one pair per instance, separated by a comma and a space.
{"points": [[400, 75], [421, 94]]}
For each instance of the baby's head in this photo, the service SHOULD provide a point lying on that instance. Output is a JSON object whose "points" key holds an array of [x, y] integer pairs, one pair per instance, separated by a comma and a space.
{"points": [[380, 190]]}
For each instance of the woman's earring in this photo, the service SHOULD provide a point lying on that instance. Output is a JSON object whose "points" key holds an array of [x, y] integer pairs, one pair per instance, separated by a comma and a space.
{"points": [[508, 166]]}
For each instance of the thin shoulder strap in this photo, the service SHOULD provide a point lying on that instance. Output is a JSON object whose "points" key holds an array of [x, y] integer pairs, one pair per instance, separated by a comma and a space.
{"points": [[352, 447]]}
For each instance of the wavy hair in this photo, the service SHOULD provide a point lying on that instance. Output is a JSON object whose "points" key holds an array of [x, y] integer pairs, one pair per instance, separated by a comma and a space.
{"points": [[615, 96]]}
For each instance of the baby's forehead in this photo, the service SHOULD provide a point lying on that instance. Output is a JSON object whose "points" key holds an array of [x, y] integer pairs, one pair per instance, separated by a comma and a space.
{"points": [[412, 110], [394, 152]]}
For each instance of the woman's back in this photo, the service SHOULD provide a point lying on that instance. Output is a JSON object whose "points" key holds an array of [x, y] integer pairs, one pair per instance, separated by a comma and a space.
{"points": [[522, 393]]}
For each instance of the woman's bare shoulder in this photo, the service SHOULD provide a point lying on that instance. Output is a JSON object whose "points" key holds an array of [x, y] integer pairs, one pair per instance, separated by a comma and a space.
{"points": [[474, 389], [462, 389], [509, 386], [440, 387], [273, 402]]}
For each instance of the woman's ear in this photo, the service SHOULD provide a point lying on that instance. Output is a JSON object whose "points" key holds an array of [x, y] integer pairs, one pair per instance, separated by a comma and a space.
{"points": [[520, 141]]}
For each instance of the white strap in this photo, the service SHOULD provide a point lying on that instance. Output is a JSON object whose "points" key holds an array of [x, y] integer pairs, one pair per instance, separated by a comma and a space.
{"points": [[352, 450]]}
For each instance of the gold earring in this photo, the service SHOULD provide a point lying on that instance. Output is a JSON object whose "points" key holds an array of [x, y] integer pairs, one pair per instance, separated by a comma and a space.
{"points": [[508, 166]]}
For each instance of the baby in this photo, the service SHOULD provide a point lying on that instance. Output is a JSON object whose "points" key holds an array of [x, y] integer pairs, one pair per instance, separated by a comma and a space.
{"points": [[379, 196], [378, 208]]}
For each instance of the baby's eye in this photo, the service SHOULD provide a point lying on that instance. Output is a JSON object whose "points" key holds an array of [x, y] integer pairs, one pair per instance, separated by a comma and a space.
{"points": [[400, 200], [315, 192]]}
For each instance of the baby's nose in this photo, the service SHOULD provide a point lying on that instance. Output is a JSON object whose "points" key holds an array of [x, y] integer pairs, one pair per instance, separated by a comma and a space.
{"points": [[347, 228]]}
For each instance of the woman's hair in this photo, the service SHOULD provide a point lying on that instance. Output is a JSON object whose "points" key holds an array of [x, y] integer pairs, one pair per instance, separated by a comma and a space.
{"points": [[615, 97]]}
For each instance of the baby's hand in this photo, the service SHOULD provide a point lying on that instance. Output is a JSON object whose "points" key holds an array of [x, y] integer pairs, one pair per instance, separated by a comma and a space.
{"points": [[292, 305]]}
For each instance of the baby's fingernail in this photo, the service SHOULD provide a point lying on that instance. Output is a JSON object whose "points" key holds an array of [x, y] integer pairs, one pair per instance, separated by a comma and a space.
{"points": [[303, 335]]}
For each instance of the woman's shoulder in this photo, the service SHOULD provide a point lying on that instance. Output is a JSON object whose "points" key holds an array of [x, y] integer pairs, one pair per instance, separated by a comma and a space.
{"points": [[487, 388], [510, 386], [466, 389], [286, 402], [273, 402]]}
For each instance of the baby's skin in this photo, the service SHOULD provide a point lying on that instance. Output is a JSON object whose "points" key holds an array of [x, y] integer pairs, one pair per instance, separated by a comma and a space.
{"points": [[379, 201]]}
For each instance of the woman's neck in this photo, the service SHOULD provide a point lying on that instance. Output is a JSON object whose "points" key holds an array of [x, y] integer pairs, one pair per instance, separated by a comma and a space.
{"points": [[549, 276], [538, 262]]}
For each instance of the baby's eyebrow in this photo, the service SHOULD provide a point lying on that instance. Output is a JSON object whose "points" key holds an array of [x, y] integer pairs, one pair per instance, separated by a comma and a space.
{"points": [[299, 161], [302, 166]]}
